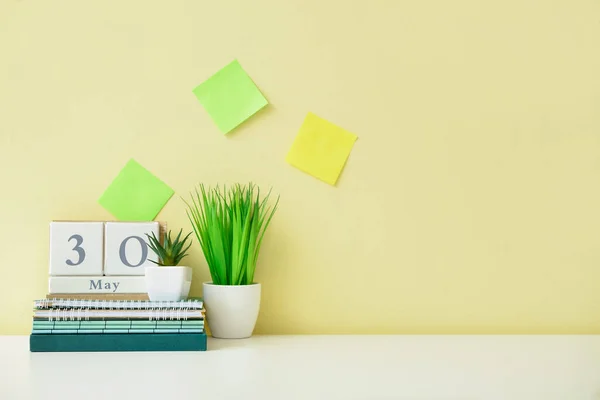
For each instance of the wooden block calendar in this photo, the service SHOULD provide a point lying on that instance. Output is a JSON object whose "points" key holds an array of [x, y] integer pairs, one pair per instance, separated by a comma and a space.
{"points": [[76, 248], [126, 250], [100, 256]]}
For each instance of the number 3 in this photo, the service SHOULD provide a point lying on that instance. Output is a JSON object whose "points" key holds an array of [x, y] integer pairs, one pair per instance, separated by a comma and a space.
{"points": [[80, 251]]}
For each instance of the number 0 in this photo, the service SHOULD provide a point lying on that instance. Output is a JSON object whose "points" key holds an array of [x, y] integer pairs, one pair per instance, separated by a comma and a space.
{"points": [[124, 256]]}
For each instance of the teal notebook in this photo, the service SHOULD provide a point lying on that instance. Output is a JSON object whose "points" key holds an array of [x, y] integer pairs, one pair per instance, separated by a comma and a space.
{"points": [[87, 331], [120, 324], [118, 342]]}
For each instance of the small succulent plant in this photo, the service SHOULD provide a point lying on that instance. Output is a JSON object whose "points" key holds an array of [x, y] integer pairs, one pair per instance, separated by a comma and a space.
{"points": [[170, 252]]}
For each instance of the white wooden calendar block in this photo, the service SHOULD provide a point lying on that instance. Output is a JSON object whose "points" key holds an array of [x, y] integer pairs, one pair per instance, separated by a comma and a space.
{"points": [[76, 248], [96, 284], [126, 250]]}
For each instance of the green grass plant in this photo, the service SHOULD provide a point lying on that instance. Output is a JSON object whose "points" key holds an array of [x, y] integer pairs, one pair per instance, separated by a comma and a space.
{"points": [[230, 225]]}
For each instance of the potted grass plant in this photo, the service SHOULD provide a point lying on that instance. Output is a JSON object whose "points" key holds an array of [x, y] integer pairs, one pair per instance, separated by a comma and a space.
{"points": [[230, 224], [168, 281]]}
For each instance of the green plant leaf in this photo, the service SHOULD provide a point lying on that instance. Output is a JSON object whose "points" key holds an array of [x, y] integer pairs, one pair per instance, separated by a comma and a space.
{"points": [[170, 252], [229, 225]]}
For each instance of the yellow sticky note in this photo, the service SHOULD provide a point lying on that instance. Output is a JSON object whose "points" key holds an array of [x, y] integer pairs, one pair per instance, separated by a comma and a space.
{"points": [[321, 149]]}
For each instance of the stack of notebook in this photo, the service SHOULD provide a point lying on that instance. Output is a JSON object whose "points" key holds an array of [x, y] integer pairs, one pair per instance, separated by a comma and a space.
{"points": [[61, 324]]}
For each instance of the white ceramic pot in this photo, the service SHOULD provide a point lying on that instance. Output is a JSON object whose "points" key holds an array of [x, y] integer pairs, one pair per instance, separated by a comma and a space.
{"points": [[168, 283], [231, 310]]}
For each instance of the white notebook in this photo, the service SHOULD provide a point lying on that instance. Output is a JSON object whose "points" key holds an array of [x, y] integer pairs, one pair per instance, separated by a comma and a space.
{"points": [[191, 304]]}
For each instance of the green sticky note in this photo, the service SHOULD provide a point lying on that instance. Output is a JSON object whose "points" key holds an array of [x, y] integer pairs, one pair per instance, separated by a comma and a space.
{"points": [[230, 97], [135, 194]]}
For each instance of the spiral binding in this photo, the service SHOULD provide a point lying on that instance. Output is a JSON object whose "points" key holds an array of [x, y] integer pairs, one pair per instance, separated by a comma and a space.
{"points": [[118, 304], [78, 314]]}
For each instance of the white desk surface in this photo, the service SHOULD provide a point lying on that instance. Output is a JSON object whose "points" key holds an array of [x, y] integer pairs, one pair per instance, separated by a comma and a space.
{"points": [[316, 367]]}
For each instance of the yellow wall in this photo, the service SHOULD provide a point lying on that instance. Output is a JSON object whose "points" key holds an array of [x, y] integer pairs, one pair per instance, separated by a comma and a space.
{"points": [[471, 200]]}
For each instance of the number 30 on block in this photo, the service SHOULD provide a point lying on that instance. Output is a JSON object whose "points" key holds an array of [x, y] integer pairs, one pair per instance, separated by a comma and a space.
{"points": [[100, 248]]}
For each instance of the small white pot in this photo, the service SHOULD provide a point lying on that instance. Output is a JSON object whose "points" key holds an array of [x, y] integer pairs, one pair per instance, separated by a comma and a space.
{"points": [[231, 310], [168, 283]]}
